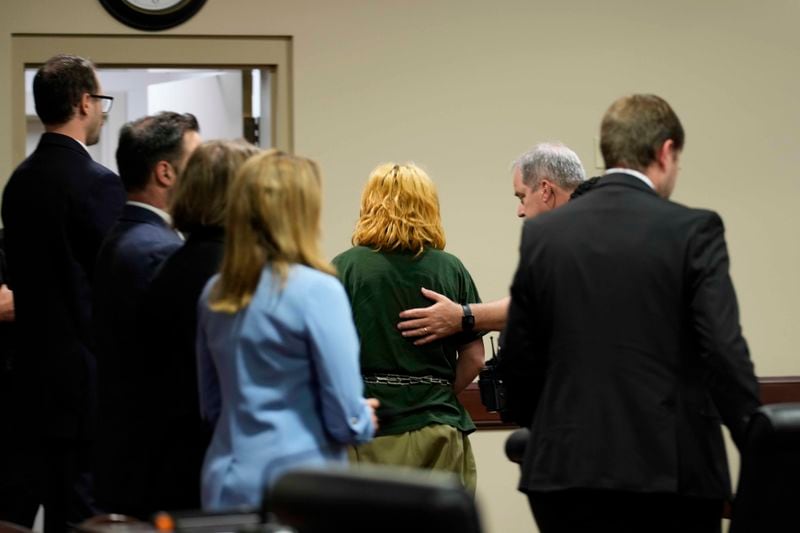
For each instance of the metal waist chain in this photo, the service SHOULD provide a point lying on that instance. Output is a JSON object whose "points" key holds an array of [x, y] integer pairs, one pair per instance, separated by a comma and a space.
{"points": [[397, 379]]}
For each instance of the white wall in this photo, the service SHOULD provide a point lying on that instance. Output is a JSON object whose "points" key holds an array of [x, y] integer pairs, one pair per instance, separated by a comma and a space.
{"points": [[215, 100]]}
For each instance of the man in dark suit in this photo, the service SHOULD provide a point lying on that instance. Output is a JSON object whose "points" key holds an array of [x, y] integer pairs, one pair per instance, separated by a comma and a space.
{"points": [[624, 351], [57, 208], [151, 154], [18, 495]]}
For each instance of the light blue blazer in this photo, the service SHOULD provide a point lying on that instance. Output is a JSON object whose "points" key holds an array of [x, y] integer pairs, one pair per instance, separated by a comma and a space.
{"points": [[280, 381]]}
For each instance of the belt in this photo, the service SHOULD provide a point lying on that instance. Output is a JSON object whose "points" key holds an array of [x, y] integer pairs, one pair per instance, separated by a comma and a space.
{"points": [[398, 379]]}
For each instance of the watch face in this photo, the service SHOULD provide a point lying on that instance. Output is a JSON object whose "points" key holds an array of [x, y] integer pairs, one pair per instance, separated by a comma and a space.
{"points": [[154, 6], [152, 15]]}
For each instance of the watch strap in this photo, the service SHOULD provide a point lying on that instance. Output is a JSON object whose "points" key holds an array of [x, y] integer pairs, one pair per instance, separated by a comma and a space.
{"points": [[467, 319]]}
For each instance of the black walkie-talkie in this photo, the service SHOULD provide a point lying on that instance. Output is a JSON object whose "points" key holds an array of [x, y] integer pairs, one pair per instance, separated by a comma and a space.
{"points": [[490, 383]]}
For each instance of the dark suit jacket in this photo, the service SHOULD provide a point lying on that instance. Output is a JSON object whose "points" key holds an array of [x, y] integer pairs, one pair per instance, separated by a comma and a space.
{"points": [[623, 346], [170, 326], [57, 208], [128, 259], [12, 387], [8, 347]]}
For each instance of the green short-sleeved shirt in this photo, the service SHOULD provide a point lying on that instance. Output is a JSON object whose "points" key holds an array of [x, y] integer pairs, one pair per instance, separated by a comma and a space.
{"points": [[381, 285]]}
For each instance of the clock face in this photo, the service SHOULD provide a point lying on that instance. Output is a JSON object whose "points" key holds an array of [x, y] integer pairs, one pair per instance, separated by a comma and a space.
{"points": [[152, 15], [154, 6]]}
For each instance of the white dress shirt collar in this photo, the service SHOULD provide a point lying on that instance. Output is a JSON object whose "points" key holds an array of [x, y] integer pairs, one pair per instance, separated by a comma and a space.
{"points": [[631, 172], [160, 212], [84, 146]]}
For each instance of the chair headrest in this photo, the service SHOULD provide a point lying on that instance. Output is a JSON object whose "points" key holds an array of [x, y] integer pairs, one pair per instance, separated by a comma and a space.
{"points": [[355, 500], [776, 426]]}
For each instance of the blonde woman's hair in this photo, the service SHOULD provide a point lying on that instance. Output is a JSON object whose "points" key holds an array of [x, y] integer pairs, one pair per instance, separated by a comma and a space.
{"points": [[273, 219], [399, 211], [200, 197]]}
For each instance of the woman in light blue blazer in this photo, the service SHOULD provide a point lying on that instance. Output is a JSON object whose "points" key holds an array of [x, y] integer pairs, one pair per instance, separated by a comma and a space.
{"points": [[277, 349]]}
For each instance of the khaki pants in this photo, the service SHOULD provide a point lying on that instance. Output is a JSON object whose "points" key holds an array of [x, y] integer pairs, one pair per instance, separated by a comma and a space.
{"points": [[434, 447]]}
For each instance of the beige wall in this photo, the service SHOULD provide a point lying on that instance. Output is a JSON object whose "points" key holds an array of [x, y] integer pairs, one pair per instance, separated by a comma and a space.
{"points": [[461, 87]]}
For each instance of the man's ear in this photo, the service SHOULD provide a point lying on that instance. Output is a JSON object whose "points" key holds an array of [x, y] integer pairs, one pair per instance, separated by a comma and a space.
{"points": [[84, 104], [665, 155], [547, 189], [165, 174]]}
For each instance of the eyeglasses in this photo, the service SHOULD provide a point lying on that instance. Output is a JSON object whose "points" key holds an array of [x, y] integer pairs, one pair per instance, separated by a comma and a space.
{"points": [[105, 101]]}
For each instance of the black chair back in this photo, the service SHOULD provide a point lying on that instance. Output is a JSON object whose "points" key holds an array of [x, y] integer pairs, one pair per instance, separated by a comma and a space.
{"points": [[372, 499], [769, 479]]}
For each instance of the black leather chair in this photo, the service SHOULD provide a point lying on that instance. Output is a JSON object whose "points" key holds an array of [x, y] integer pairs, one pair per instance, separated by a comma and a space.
{"points": [[371, 499], [769, 480]]}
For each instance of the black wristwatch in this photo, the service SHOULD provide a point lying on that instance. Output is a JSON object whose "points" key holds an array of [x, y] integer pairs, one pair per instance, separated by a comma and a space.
{"points": [[468, 320]]}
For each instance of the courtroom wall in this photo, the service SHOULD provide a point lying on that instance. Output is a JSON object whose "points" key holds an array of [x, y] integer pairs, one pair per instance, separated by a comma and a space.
{"points": [[462, 87]]}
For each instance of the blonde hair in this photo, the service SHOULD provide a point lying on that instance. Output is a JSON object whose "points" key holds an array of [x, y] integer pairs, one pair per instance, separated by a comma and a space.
{"points": [[399, 210], [200, 197], [273, 219]]}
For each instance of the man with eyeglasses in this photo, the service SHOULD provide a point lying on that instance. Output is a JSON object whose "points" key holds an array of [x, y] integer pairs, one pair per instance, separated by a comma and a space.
{"points": [[57, 208]]}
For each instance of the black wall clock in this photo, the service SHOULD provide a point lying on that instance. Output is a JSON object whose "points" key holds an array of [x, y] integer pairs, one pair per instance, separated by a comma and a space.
{"points": [[152, 15]]}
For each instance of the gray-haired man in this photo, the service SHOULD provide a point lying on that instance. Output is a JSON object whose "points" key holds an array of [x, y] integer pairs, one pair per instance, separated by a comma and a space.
{"points": [[544, 178]]}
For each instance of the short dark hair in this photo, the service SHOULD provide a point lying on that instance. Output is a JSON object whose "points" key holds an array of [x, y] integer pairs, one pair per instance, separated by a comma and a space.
{"points": [[146, 141], [59, 86], [635, 127]]}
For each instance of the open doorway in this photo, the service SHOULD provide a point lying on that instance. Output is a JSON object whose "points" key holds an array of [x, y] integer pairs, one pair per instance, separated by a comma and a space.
{"points": [[228, 103], [260, 66]]}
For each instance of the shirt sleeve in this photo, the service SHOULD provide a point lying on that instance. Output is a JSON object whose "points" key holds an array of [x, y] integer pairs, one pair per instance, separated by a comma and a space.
{"points": [[335, 357]]}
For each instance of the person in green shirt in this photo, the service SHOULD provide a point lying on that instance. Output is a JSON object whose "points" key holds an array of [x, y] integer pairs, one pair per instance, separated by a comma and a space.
{"points": [[398, 246]]}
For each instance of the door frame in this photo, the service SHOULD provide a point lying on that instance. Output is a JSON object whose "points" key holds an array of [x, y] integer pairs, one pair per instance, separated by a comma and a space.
{"points": [[29, 50]]}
